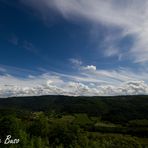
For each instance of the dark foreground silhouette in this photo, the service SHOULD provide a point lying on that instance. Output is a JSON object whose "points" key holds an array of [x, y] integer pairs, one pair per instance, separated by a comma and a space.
{"points": [[74, 122]]}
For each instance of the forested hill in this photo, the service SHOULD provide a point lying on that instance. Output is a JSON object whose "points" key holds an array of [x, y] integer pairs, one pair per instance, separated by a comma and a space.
{"points": [[115, 109]]}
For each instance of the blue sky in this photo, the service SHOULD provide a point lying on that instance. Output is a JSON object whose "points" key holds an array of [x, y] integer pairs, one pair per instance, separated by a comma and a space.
{"points": [[68, 47]]}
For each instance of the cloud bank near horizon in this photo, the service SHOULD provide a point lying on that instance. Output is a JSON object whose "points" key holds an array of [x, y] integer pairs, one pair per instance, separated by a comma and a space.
{"points": [[89, 81]]}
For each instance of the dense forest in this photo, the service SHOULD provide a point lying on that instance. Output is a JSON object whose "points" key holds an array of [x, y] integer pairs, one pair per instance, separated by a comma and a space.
{"points": [[74, 122]]}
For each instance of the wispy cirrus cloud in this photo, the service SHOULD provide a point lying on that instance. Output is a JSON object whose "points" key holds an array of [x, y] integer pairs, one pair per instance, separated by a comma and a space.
{"points": [[129, 15]]}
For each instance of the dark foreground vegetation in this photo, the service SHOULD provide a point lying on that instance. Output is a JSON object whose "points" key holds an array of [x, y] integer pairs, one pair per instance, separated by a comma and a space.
{"points": [[75, 122]]}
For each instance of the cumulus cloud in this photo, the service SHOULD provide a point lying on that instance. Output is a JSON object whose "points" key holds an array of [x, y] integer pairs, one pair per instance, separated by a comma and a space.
{"points": [[128, 15], [49, 87], [134, 87], [89, 81], [89, 68]]}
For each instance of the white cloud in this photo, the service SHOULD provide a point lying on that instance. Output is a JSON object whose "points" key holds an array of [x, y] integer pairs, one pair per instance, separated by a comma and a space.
{"points": [[89, 68], [128, 15], [134, 87], [89, 81]]}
